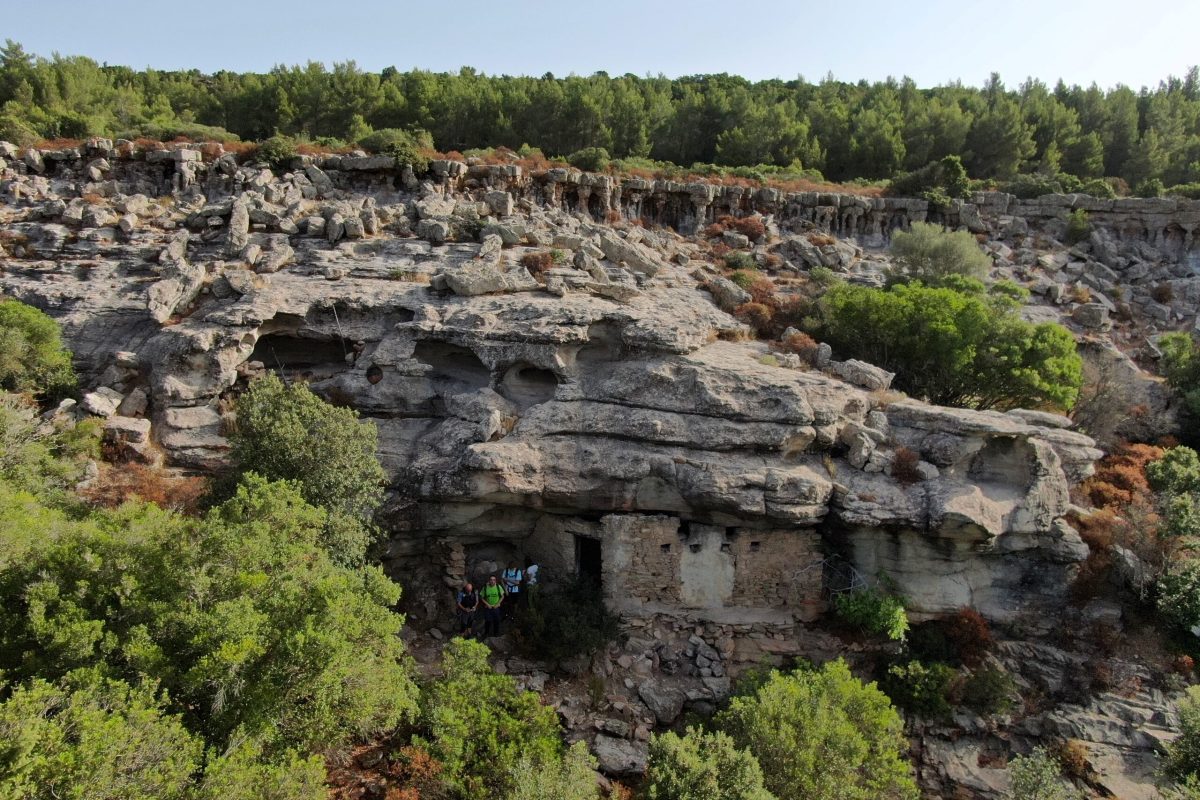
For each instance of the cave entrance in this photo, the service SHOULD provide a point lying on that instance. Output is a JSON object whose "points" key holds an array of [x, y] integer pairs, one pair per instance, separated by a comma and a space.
{"points": [[589, 560], [527, 386], [298, 357]]}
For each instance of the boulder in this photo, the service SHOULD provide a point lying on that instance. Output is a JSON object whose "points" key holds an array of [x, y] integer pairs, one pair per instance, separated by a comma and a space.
{"points": [[500, 203], [239, 229], [134, 430], [476, 279], [664, 700], [102, 402], [860, 373], [634, 256], [620, 756], [727, 294], [435, 231]]}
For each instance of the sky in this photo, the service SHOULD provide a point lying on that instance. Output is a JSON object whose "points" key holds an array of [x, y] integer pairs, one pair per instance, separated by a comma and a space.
{"points": [[932, 41]]}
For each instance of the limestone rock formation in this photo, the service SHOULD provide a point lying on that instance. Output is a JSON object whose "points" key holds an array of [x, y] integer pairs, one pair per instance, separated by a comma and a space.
{"points": [[613, 420]]}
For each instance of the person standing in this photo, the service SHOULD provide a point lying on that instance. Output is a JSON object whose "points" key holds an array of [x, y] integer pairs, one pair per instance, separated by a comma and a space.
{"points": [[466, 604], [492, 597], [531, 581], [512, 578]]}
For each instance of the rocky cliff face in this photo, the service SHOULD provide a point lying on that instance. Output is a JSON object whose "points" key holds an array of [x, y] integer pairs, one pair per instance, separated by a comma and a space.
{"points": [[609, 418], [508, 408]]}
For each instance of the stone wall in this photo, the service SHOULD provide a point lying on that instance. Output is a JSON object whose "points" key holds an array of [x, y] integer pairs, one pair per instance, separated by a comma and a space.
{"points": [[641, 559], [779, 569]]}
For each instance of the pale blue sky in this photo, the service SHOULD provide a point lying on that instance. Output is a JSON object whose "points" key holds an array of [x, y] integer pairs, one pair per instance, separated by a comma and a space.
{"points": [[933, 41]]}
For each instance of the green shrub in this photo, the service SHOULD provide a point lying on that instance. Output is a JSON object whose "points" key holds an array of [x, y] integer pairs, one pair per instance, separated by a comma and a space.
{"points": [[1070, 184], [739, 260], [938, 200], [241, 617], [191, 131], [1183, 755], [929, 254], [824, 277], [745, 278], [1038, 776], [32, 356], [288, 433], [954, 348], [1181, 367], [919, 688], [567, 618], [45, 459], [407, 147], [590, 159], [822, 735], [1188, 190], [937, 181], [1031, 187], [873, 611], [1178, 596], [1151, 187], [988, 691], [702, 766], [102, 740], [572, 778], [278, 151], [1099, 187], [1078, 227], [481, 725]]}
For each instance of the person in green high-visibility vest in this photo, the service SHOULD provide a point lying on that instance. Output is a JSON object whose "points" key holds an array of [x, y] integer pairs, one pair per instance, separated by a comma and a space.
{"points": [[492, 597]]}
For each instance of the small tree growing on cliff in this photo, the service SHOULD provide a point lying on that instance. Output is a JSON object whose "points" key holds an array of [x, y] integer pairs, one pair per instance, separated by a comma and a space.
{"points": [[32, 357], [929, 254], [288, 433]]}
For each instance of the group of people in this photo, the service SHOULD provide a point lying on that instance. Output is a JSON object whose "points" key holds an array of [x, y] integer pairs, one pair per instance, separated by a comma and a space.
{"points": [[495, 600]]}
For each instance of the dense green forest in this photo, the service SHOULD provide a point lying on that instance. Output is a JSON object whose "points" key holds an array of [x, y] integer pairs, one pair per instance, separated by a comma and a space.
{"points": [[845, 130]]}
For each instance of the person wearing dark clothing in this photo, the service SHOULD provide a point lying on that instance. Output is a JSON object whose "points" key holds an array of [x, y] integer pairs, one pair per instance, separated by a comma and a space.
{"points": [[492, 597], [466, 604]]}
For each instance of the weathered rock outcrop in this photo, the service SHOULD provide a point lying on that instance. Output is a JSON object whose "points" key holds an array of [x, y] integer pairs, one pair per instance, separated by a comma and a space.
{"points": [[507, 413]]}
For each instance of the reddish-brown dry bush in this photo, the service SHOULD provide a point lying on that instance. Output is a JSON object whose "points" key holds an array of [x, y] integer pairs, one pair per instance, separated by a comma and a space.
{"points": [[537, 263], [762, 290], [1163, 293], [1120, 478], [800, 344], [57, 144], [118, 483], [1098, 529], [718, 249], [1073, 757], [756, 315], [904, 466], [821, 239], [751, 227], [968, 632], [713, 231]]}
